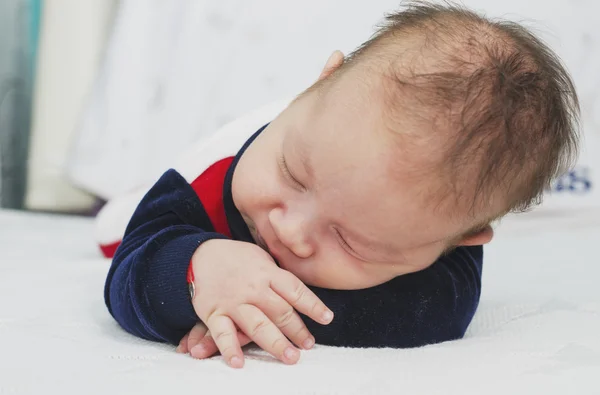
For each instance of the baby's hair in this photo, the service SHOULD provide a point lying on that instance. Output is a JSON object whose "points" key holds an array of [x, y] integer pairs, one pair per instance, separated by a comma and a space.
{"points": [[506, 97]]}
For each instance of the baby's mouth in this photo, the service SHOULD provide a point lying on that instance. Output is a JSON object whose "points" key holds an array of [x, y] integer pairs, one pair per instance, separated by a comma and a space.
{"points": [[255, 235], [259, 240]]}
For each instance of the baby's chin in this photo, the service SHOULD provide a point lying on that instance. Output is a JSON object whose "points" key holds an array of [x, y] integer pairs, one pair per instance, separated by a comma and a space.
{"points": [[304, 275], [313, 280]]}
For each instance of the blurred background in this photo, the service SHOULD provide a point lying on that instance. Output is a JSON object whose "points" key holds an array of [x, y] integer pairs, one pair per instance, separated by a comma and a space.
{"points": [[100, 96]]}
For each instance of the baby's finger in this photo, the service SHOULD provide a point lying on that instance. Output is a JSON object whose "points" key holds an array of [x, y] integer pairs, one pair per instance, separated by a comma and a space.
{"points": [[198, 332], [224, 333], [207, 347], [263, 332], [290, 288], [283, 315], [182, 348]]}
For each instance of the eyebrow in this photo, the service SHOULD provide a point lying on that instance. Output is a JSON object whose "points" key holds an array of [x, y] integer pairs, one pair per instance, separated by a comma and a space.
{"points": [[300, 151]]}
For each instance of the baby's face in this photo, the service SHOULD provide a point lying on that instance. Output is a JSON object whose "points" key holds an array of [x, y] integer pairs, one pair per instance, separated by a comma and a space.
{"points": [[325, 192]]}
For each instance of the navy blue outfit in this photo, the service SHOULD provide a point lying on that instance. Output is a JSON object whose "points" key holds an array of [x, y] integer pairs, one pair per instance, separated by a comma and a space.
{"points": [[146, 289]]}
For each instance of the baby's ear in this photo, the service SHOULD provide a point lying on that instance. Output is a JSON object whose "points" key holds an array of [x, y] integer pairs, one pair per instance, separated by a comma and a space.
{"points": [[335, 60], [480, 237]]}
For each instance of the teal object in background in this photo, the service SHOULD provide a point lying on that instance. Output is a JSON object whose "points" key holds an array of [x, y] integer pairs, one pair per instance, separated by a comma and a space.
{"points": [[19, 33]]}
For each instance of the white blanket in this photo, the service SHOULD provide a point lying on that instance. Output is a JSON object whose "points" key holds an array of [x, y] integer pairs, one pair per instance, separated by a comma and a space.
{"points": [[537, 330]]}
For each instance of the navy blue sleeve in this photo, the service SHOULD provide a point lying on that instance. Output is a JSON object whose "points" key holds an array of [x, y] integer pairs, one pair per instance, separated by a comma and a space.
{"points": [[146, 288], [430, 306]]}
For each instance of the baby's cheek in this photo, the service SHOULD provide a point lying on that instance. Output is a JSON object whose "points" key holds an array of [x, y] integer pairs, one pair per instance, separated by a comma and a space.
{"points": [[353, 275], [382, 273], [254, 201], [420, 259]]}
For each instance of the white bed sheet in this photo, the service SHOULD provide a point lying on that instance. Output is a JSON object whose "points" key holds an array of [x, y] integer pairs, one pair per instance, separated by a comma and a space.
{"points": [[537, 330]]}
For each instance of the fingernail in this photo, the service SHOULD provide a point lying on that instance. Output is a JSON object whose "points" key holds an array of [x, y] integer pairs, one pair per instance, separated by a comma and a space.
{"points": [[198, 350], [236, 362], [308, 343], [327, 316], [290, 353]]}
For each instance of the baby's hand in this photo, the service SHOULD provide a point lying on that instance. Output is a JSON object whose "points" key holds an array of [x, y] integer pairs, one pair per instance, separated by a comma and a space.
{"points": [[200, 344], [238, 285]]}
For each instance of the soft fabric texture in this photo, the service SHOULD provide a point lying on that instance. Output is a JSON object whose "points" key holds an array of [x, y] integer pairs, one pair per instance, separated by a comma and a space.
{"points": [[146, 289], [535, 332]]}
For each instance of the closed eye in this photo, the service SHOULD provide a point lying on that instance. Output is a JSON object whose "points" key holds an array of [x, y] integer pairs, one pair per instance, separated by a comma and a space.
{"points": [[288, 174], [343, 242], [349, 248]]}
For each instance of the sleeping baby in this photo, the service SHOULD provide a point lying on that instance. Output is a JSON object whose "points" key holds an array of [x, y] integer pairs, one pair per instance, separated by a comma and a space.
{"points": [[356, 216]]}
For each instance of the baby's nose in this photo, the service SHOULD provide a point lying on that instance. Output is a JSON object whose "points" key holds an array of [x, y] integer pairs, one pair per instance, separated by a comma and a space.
{"points": [[292, 230]]}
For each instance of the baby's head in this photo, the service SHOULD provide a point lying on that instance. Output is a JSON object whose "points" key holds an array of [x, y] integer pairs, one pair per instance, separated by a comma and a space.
{"points": [[413, 145]]}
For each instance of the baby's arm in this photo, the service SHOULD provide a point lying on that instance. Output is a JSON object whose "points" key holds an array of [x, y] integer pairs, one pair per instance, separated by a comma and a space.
{"points": [[146, 288], [431, 306]]}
